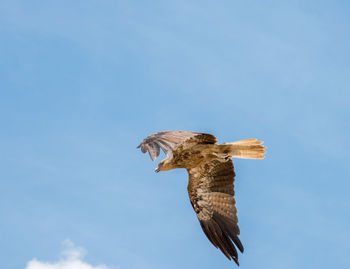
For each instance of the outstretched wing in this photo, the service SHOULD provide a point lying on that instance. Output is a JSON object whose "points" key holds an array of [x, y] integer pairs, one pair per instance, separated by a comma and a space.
{"points": [[211, 192], [170, 140]]}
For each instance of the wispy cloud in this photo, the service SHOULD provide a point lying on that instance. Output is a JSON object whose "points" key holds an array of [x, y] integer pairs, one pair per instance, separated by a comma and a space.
{"points": [[72, 258]]}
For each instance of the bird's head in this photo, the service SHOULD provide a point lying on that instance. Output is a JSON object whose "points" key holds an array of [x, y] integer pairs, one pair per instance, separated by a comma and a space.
{"points": [[164, 165]]}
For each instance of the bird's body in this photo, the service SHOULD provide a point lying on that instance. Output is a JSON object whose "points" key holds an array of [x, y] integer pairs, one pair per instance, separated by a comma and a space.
{"points": [[211, 177]]}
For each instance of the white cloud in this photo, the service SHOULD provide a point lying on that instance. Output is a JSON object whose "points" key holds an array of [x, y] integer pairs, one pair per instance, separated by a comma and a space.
{"points": [[72, 258]]}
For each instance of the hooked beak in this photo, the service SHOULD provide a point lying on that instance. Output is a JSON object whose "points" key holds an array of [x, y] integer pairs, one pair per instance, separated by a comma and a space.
{"points": [[157, 170]]}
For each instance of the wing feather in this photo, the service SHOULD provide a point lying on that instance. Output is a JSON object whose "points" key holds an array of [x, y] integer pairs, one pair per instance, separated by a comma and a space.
{"points": [[168, 141], [211, 193]]}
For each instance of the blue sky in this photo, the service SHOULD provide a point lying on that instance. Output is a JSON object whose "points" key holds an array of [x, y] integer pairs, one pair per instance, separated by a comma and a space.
{"points": [[83, 82]]}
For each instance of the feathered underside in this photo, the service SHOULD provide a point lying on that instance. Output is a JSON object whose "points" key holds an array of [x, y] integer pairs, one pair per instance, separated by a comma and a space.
{"points": [[211, 193], [170, 140]]}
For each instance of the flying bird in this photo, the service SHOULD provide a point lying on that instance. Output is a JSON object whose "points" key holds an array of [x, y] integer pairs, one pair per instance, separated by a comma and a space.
{"points": [[211, 177]]}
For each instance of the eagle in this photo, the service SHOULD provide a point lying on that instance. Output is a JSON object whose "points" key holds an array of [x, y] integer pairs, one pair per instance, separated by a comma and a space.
{"points": [[211, 179]]}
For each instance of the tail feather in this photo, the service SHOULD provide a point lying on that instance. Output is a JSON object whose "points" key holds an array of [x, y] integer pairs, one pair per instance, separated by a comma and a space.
{"points": [[244, 149]]}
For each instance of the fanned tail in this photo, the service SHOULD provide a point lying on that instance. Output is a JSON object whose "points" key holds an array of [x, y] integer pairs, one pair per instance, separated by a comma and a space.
{"points": [[244, 149]]}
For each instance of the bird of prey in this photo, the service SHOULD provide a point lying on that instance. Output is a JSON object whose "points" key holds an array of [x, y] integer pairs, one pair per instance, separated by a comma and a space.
{"points": [[211, 177]]}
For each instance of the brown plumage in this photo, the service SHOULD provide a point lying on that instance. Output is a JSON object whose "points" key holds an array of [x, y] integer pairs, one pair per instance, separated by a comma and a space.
{"points": [[211, 177]]}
